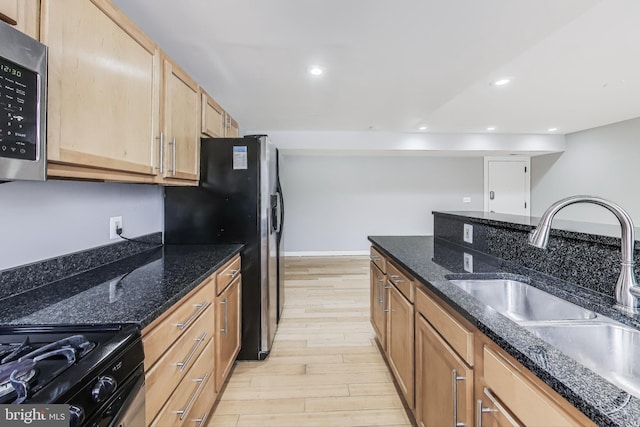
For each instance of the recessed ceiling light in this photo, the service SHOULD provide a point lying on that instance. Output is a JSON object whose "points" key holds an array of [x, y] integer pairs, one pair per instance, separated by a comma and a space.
{"points": [[491, 128], [422, 128], [552, 129], [315, 71], [501, 82]]}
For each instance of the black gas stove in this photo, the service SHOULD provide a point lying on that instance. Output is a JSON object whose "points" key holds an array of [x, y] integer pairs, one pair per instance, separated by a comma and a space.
{"points": [[97, 370]]}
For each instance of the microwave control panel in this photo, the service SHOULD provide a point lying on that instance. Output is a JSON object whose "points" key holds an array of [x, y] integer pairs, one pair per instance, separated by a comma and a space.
{"points": [[18, 111]]}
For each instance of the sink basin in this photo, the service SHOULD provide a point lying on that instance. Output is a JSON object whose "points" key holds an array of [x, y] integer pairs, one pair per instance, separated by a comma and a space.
{"points": [[610, 350], [522, 302]]}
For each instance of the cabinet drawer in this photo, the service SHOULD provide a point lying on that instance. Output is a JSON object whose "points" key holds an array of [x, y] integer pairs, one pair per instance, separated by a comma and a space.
{"points": [[158, 336], [172, 367], [457, 335], [403, 282], [194, 395], [227, 273], [378, 259], [526, 401]]}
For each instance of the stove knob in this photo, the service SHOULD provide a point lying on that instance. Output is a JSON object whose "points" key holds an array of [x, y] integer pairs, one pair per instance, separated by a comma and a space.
{"points": [[103, 388], [76, 416]]}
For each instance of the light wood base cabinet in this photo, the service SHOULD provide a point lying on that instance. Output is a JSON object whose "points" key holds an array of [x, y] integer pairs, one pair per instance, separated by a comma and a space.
{"points": [[400, 341], [461, 377], [190, 350], [444, 383], [228, 326], [378, 303]]}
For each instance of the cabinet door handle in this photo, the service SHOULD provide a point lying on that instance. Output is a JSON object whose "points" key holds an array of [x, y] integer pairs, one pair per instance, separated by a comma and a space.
{"points": [[161, 152], [454, 383], [234, 273], [379, 281], [183, 412], [384, 299], [199, 341], [226, 316], [498, 408], [201, 307], [174, 161]]}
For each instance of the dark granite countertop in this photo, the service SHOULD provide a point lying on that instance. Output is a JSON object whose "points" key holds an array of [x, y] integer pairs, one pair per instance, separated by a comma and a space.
{"points": [[601, 401], [134, 290]]}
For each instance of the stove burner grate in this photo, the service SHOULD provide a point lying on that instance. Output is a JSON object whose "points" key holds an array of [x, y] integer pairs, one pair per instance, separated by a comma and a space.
{"points": [[22, 372]]}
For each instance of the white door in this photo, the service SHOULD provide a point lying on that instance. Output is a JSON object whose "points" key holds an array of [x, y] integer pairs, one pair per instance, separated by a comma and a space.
{"points": [[507, 185]]}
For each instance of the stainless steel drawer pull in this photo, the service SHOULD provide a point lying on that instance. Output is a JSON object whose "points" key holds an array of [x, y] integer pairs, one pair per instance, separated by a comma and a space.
{"points": [[194, 396], [201, 421], [199, 341], [379, 281], [395, 278], [234, 273], [201, 307], [454, 383], [226, 316], [498, 408]]}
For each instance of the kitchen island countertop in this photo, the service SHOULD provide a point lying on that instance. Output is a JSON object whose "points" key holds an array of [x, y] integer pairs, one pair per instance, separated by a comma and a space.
{"points": [[601, 401], [134, 290]]}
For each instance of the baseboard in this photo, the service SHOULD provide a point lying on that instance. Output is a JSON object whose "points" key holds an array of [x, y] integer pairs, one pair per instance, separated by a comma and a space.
{"points": [[325, 253]]}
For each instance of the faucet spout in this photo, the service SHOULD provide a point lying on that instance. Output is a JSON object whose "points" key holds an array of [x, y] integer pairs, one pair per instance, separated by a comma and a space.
{"points": [[627, 291]]}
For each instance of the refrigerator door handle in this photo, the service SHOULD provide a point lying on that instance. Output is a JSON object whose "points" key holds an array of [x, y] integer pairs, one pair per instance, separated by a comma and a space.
{"points": [[280, 211]]}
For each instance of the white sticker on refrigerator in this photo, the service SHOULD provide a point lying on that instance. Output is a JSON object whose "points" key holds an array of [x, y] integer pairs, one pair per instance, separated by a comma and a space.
{"points": [[240, 157]]}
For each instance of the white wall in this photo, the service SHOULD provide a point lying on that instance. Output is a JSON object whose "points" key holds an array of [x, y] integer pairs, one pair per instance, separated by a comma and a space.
{"points": [[334, 202], [603, 161], [41, 220]]}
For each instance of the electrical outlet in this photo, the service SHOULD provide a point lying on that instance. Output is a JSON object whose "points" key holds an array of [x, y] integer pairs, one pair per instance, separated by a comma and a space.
{"points": [[115, 222], [466, 199], [468, 233], [468, 263]]}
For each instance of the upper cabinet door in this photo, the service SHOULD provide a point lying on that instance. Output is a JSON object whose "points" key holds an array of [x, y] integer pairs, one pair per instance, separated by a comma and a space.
{"points": [[103, 103], [22, 15], [212, 117], [181, 123], [232, 129]]}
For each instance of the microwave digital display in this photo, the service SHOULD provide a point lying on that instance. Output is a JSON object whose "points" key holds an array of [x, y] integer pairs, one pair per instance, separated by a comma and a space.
{"points": [[18, 111]]}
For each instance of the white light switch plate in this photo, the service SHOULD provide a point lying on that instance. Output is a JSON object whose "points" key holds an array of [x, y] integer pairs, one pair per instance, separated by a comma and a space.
{"points": [[468, 233], [468, 262]]}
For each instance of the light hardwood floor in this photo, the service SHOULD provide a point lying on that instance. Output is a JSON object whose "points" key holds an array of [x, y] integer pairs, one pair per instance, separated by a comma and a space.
{"points": [[324, 369]]}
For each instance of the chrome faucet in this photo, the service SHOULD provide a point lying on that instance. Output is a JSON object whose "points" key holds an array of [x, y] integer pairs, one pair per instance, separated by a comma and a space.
{"points": [[627, 290]]}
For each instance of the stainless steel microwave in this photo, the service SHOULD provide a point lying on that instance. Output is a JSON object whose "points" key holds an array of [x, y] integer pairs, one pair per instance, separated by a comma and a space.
{"points": [[23, 106]]}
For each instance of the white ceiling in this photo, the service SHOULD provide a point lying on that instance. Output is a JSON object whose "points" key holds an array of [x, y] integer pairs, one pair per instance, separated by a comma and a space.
{"points": [[396, 65]]}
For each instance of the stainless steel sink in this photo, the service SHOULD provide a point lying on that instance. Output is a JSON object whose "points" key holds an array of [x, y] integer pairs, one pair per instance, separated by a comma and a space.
{"points": [[611, 350], [522, 302]]}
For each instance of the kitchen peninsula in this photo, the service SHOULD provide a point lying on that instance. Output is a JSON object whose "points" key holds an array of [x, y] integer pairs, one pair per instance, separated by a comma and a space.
{"points": [[498, 364]]}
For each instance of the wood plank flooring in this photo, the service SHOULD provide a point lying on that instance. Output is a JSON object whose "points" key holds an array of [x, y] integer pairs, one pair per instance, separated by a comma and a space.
{"points": [[324, 368]]}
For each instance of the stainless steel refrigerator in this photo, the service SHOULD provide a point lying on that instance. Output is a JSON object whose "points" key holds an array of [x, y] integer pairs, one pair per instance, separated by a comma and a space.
{"points": [[238, 200]]}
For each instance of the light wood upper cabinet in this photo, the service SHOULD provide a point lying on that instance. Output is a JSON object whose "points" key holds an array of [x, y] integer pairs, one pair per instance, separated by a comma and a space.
{"points": [[213, 117], [23, 15], [103, 97], [180, 123], [232, 128], [216, 122]]}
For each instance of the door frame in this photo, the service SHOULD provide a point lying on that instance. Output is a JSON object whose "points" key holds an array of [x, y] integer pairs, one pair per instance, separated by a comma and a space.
{"points": [[527, 190]]}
